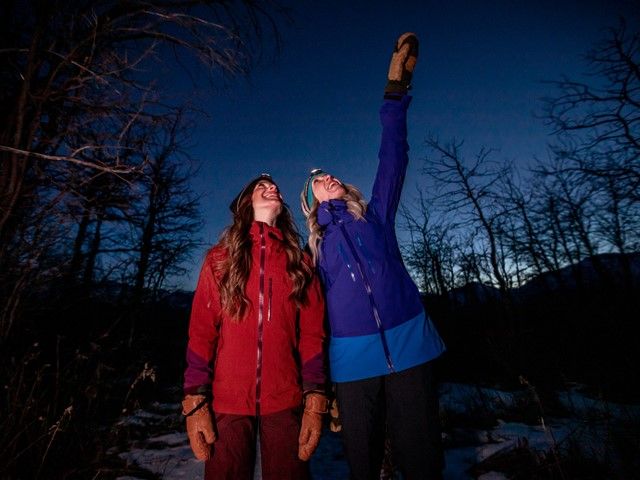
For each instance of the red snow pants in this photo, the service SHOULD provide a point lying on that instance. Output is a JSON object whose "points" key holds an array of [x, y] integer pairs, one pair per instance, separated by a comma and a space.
{"points": [[234, 453]]}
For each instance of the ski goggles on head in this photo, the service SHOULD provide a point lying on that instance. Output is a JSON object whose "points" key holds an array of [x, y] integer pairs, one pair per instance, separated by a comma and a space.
{"points": [[306, 196]]}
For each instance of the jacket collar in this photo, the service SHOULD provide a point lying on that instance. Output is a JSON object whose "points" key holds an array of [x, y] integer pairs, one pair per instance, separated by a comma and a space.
{"points": [[270, 232], [333, 211]]}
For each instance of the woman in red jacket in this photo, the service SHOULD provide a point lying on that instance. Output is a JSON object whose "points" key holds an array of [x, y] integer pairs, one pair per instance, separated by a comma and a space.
{"points": [[255, 352]]}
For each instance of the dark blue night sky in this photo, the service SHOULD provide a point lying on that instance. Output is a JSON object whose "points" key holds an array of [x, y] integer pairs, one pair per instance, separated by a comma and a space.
{"points": [[480, 77]]}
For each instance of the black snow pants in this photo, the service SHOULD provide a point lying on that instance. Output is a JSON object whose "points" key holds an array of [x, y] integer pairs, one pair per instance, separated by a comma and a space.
{"points": [[406, 403]]}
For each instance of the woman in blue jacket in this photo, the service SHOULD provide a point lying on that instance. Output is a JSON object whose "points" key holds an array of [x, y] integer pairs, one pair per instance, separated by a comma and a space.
{"points": [[382, 341]]}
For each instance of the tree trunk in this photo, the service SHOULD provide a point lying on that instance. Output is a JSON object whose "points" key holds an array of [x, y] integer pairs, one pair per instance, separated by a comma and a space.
{"points": [[93, 250], [81, 235]]}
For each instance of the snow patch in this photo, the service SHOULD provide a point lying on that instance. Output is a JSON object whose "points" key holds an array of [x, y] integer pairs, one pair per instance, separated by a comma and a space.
{"points": [[168, 454]]}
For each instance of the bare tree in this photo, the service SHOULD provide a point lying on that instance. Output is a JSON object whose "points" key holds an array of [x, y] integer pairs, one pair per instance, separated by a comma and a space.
{"points": [[79, 83], [518, 234], [467, 191], [73, 66], [598, 149], [598, 125], [166, 215], [92, 199], [430, 249]]}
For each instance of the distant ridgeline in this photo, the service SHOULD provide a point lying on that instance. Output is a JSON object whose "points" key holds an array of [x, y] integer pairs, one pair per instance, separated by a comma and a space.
{"points": [[574, 324], [605, 271]]}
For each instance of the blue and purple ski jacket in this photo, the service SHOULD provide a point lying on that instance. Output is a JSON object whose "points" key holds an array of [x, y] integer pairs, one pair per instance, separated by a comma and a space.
{"points": [[378, 323]]}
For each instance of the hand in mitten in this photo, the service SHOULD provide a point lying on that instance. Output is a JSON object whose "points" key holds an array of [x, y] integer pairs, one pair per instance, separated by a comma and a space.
{"points": [[199, 425], [403, 62], [315, 405]]}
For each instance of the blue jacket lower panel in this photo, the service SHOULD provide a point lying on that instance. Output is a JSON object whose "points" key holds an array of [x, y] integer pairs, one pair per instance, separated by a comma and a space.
{"points": [[411, 343]]}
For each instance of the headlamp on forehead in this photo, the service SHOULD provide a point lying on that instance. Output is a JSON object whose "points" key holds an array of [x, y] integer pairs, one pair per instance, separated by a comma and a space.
{"points": [[306, 196], [235, 204]]}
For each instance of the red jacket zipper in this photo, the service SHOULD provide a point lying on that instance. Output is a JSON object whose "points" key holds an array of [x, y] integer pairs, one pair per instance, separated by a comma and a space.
{"points": [[269, 300], [260, 319]]}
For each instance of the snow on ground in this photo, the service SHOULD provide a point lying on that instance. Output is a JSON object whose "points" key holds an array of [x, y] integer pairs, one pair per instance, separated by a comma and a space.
{"points": [[459, 397], [167, 451], [501, 439], [574, 400], [170, 456]]}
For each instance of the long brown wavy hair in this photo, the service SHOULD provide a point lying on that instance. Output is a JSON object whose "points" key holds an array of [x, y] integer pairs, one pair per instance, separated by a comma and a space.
{"points": [[232, 268], [356, 205]]}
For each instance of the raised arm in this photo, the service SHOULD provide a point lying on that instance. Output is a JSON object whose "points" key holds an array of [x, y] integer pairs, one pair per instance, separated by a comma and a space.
{"points": [[393, 154], [393, 159]]}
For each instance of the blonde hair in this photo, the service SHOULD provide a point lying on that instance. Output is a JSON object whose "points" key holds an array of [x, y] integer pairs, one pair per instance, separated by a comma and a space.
{"points": [[356, 206]]}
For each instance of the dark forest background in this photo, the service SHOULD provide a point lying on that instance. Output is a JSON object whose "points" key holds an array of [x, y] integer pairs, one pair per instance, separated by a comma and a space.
{"points": [[532, 276]]}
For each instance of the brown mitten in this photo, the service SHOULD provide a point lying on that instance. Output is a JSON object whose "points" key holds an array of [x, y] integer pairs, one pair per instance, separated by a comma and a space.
{"points": [[315, 405], [403, 62], [335, 425], [199, 425]]}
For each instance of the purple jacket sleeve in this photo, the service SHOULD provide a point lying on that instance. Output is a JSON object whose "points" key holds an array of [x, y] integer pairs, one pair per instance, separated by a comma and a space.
{"points": [[393, 159]]}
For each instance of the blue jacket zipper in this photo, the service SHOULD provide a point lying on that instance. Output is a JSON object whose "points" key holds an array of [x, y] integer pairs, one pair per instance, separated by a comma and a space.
{"points": [[260, 319], [367, 287]]}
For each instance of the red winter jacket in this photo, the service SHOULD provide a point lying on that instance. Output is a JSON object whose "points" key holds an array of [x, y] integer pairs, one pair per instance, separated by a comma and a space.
{"points": [[261, 364]]}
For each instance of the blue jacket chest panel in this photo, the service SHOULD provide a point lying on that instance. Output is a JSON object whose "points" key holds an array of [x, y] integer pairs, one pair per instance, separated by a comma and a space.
{"points": [[338, 259]]}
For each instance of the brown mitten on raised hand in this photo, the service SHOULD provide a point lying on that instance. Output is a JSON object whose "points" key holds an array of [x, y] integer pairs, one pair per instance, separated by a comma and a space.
{"points": [[196, 410], [315, 405], [403, 62]]}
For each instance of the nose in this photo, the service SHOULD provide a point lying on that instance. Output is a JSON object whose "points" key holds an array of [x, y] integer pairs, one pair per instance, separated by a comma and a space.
{"points": [[272, 187]]}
